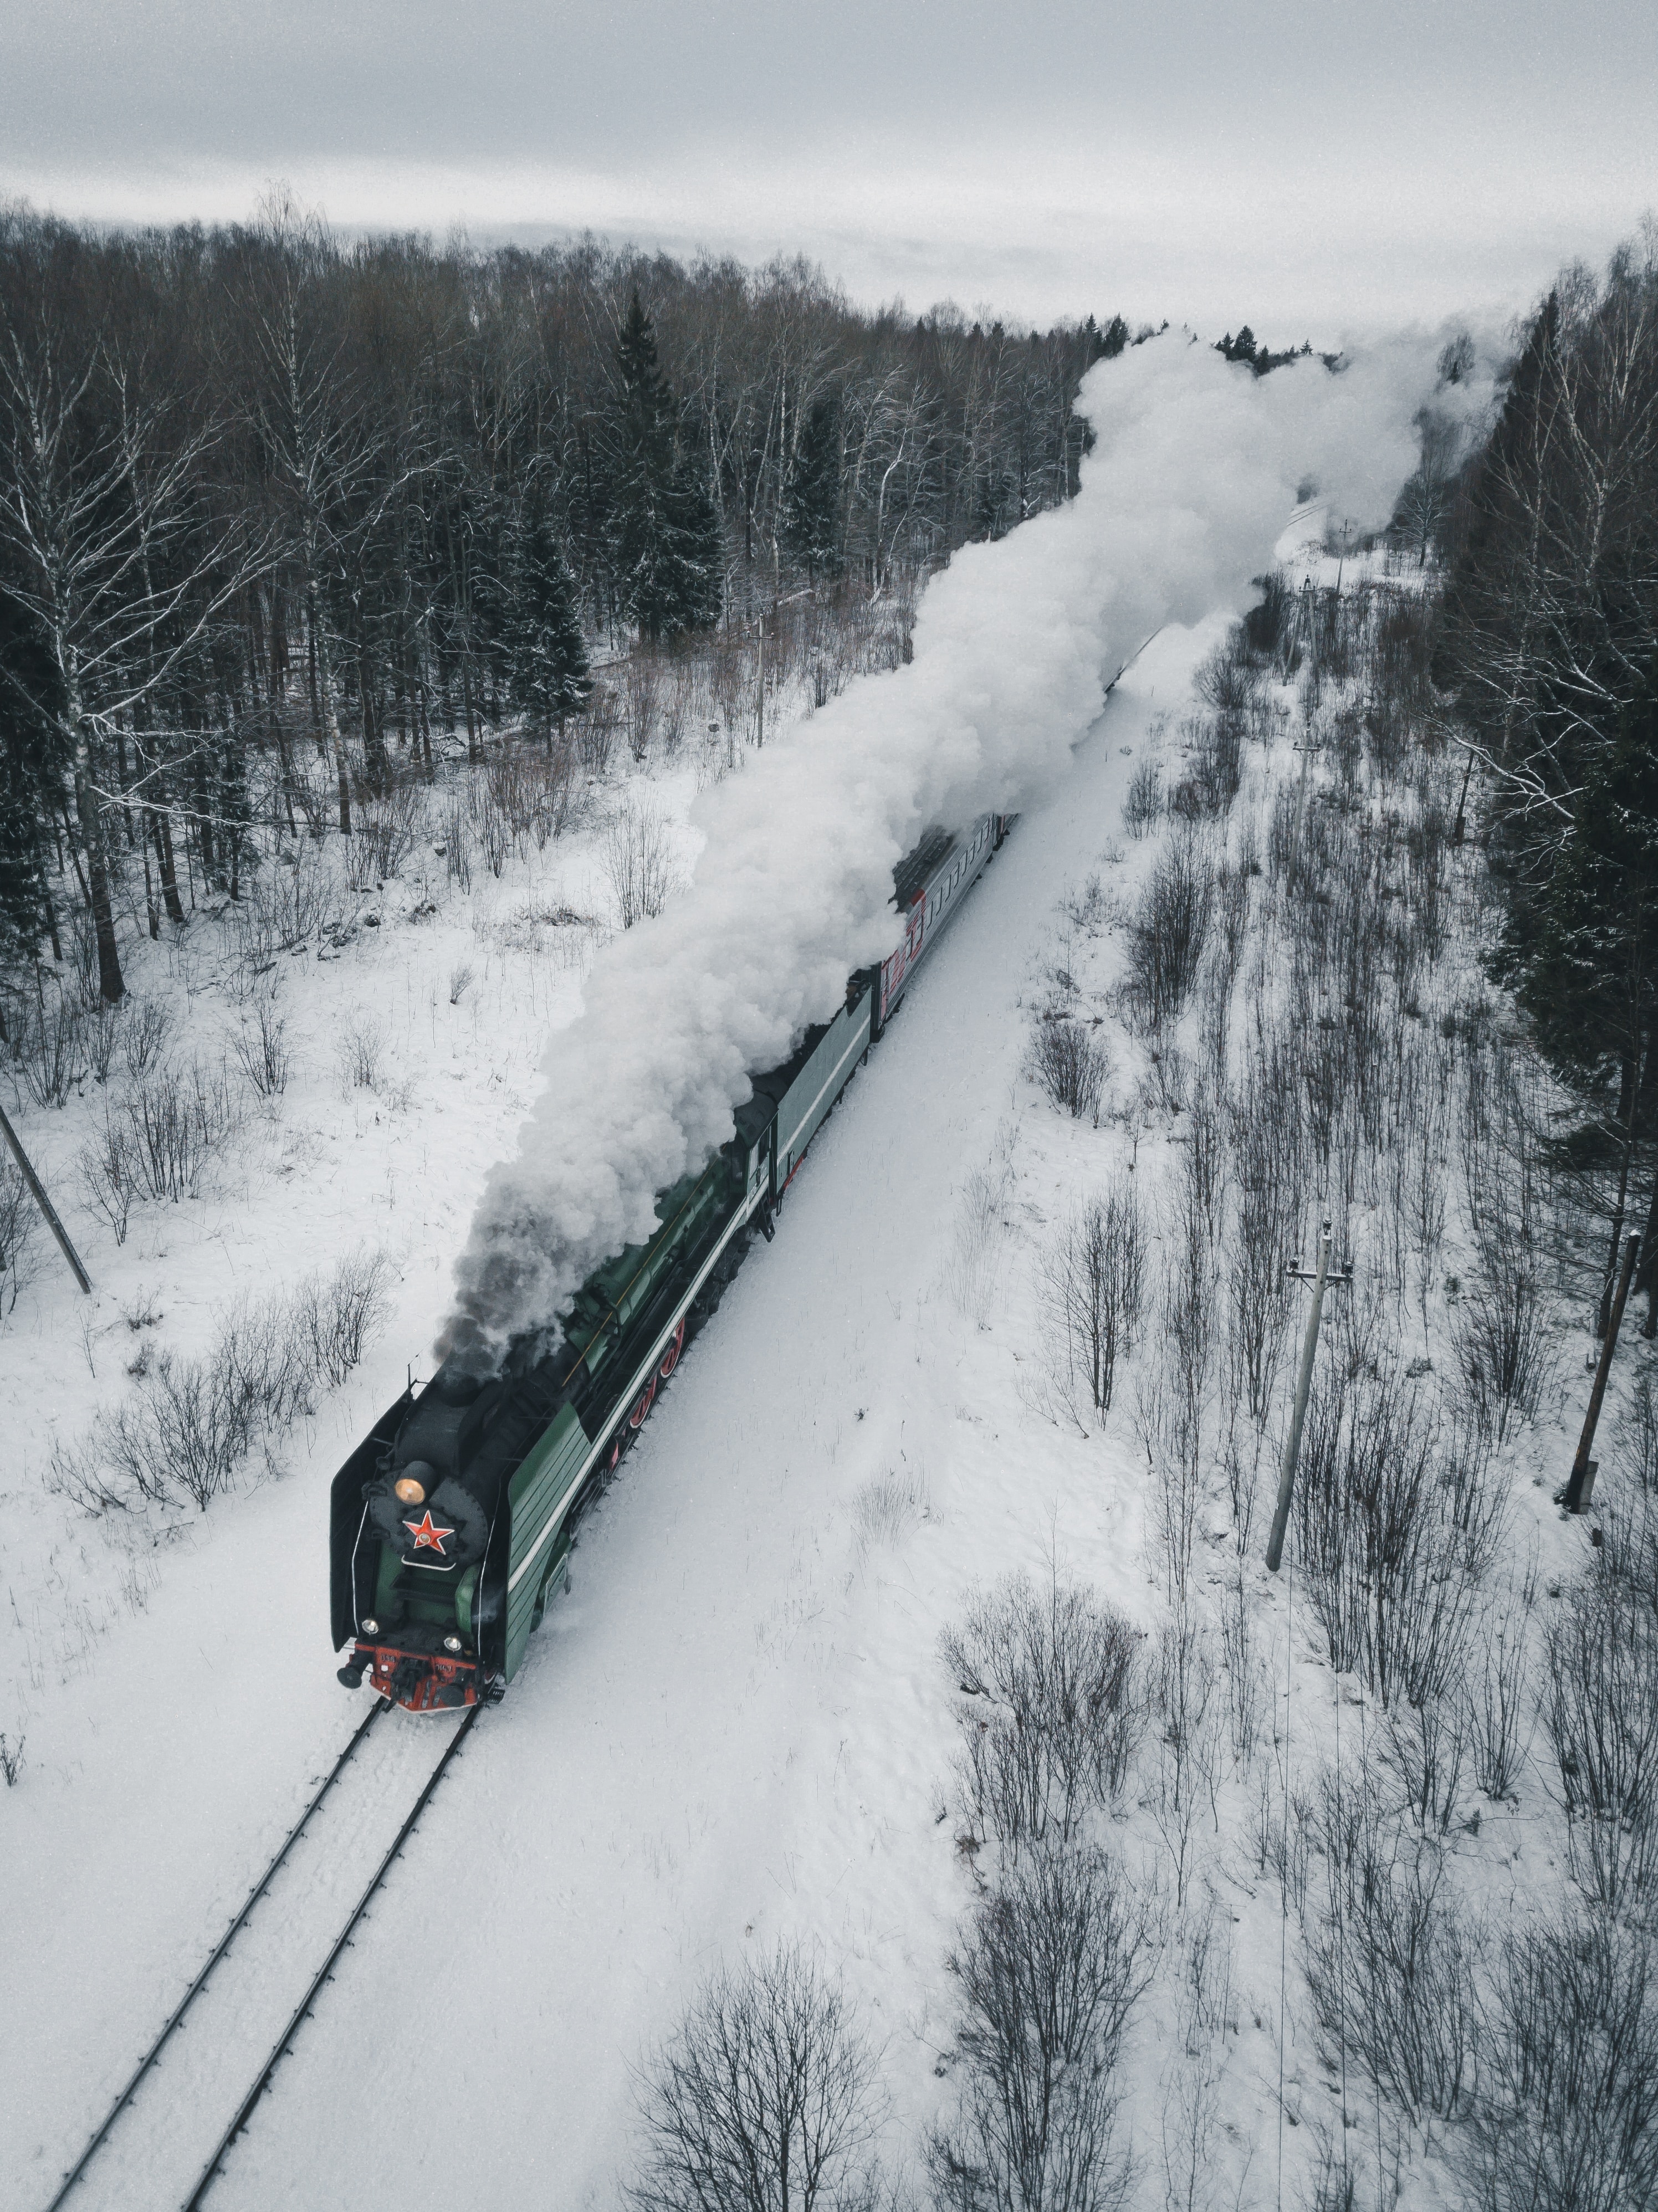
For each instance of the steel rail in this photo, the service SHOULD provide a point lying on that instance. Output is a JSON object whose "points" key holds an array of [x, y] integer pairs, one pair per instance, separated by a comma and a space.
{"points": [[224, 1943], [211, 2171]]}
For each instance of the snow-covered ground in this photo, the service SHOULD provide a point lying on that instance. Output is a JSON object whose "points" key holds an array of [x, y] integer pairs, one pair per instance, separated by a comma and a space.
{"points": [[737, 1726]]}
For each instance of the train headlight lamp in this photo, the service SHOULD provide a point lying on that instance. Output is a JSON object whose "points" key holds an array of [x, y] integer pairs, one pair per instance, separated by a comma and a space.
{"points": [[371, 1628], [452, 1642], [408, 1491]]}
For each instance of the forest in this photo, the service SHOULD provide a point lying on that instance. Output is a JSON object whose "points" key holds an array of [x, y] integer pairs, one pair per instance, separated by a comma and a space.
{"points": [[331, 570], [280, 515]]}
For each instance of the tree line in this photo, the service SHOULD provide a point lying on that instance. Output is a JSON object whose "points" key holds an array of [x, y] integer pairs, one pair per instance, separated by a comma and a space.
{"points": [[262, 490], [1548, 650]]}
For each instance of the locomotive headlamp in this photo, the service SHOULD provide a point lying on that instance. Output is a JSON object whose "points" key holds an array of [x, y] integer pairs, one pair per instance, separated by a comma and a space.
{"points": [[408, 1491], [452, 1642], [371, 1628]]}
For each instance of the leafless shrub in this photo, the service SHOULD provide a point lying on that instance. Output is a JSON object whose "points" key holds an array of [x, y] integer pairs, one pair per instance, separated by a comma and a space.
{"points": [[1143, 801], [1214, 767], [101, 1034], [887, 1508], [19, 1221], [766, 2099], [1426, 1745], [360, 1051], [639, 863], [1092, 1280], [1268, 1171], [677, 699], [191, 1421], [1628, 1535], [595, 730], [11, 1759], [1284, 1821], [490, 826], [1391, 1968], [460, 980], [1053, 1965], [1053, 1712], [1069, 1064], [455, 849], [1601, 1710], [1377, 1542], [1566, 2119], [1499, 1706], [1335, 2187], [260, 1047], [185, 1430], [1188, 1747], [1635, 1436], [1191, 2104], [1506, 1344], [49, 1054], [1174, 1406], [1168, 932], [144, 1038], [176, 1121], [642, 683], [533, 792], [336, 1313], [285, 904], [971, 1271], [386, 831], [1086, 910], [1228, 680], [107, 1175], [1232, 886], [1248, 1689]]}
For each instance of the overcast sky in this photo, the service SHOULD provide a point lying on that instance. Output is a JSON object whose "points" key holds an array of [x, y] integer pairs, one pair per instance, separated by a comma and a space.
{"points": [[1314, 166]]}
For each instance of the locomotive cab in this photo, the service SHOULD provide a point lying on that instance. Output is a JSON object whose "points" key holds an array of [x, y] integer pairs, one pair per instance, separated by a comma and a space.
{"points": [[426, 1504]]}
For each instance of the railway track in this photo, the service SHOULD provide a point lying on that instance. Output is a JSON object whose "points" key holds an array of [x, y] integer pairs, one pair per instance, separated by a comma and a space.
{"points": [[165, 2137]]}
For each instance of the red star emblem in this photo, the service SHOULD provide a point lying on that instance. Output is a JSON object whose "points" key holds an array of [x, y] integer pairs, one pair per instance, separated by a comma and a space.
{"points": [[425, 1535]]}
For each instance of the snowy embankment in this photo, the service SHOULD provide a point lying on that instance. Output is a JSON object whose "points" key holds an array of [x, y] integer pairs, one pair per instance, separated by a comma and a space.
{"points": [[737, 1726]]}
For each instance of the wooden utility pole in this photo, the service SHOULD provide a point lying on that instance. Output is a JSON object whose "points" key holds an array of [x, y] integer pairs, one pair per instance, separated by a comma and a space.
{"points": [[44, 1202], [1318, 1277], [1580, 1483]]}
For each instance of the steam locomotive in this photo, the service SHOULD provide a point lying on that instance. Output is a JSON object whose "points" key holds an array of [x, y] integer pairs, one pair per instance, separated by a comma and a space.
{"points": [[452, 1522]]}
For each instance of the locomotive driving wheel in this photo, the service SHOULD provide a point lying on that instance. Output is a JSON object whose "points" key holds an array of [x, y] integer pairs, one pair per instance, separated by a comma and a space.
{"points": [[671, 1356]]}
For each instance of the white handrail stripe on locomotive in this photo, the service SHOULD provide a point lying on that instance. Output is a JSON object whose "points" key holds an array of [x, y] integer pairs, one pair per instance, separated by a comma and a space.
{"points": [[564, 1503]]}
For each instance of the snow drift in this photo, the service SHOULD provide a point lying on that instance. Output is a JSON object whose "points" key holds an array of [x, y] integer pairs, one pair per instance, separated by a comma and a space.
{"points": [[1195, 471]]}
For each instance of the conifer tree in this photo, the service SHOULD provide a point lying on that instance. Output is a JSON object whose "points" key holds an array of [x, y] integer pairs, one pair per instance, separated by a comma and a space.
{"points": [[642, 526], [811, 496], [32, 781], [699, 549], [550, 677], [664, 531], [1584, 954]]}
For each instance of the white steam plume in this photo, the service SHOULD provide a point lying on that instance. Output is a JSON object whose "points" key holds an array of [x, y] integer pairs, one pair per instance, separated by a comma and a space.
{"points": [[1193, 477]]}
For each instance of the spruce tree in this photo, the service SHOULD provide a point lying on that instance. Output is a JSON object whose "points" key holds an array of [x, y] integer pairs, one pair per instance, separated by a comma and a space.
{"points": [[1584, 953], [664, 533], [699, 549], [32, 775], [812, 497], [548, 670], [642, 530]]}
